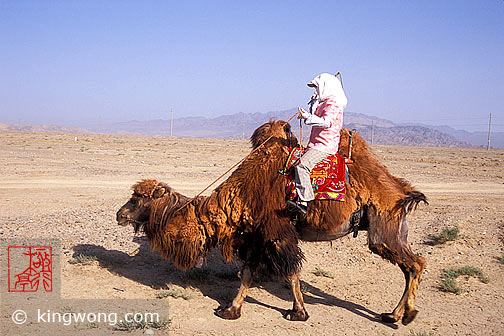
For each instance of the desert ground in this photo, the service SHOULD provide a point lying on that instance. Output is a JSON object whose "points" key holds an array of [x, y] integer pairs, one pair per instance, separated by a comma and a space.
{"points": [[69, 187]]}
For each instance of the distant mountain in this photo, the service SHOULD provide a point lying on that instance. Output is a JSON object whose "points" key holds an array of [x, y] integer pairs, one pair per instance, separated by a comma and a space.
{"points": [[478, 139], [43, 128], [408, 136], [241, 126]]}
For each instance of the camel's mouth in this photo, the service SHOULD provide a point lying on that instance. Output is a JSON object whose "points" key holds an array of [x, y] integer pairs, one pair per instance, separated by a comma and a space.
{"points": [[129, 221]]}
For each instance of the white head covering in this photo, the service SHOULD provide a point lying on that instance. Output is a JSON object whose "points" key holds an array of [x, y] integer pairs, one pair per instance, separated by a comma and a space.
{"points": [[328, 85]]}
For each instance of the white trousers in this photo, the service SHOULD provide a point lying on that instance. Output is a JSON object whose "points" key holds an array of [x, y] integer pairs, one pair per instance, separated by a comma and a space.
{"points": [[306, 163]]}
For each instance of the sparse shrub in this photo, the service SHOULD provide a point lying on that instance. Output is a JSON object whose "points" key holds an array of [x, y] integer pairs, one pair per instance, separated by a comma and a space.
{"points": [[304, 288], [448, 283], [130, 326], [92, 325], [468, 270], [484, 279], [421, 333], [174, 293], [322, 272], [83, 259], [163, 323], [448, 234]]}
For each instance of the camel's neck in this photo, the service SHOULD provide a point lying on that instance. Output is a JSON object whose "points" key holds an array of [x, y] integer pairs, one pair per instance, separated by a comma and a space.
{"points": [[238, 203], [254, 187]]}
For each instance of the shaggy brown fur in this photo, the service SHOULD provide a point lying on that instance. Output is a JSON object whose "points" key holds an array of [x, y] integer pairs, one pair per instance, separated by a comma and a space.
{"points": [[246, 216]]}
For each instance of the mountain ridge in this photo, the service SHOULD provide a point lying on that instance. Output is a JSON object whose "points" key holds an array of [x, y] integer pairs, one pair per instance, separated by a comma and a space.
{"points": [[241, 126]]}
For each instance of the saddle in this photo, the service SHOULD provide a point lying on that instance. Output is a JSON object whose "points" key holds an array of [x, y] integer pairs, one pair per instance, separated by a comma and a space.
{"points": [[327, 177]]}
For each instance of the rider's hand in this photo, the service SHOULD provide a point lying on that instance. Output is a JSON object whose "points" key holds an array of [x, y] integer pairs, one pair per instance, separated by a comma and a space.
{"points": [[303, 114]]}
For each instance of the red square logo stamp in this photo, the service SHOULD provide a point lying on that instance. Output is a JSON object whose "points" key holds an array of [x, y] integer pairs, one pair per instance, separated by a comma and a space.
{"points": [[30, 268]]}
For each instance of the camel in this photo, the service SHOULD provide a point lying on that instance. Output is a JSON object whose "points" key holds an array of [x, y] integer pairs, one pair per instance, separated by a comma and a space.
{"points": [[246, 217]]}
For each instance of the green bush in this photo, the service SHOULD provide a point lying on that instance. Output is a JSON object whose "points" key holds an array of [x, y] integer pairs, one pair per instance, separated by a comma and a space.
{"points": [[448, 283], [448, 234]]}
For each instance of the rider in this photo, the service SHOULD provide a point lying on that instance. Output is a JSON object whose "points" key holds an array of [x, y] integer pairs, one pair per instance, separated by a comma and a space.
{"points": [[326, 118]]}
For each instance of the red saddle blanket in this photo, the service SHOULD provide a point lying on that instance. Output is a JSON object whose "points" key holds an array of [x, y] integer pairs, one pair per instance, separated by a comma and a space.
{"points": [[327, 177]]}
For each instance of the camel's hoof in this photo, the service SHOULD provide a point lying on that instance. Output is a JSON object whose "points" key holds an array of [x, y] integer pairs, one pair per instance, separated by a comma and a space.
{"points": [[408, 317], [388, 318], [301, 315], [228, 313]]}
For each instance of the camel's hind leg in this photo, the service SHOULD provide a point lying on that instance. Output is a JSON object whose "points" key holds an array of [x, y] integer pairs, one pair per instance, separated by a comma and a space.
{"points": [[298, 312], [415, 277], [405, 307], [393, 247], [233, 311]]}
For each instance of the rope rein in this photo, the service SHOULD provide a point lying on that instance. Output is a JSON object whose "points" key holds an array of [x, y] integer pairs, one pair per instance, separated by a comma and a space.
{"points": [[301, 132], [236, 164]]}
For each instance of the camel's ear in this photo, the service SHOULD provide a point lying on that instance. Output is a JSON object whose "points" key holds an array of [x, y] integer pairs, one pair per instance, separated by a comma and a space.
{"points": [[159, 192]]}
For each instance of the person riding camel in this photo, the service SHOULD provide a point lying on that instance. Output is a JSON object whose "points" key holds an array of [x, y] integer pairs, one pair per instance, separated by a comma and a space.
{"points": [[326, 118]]}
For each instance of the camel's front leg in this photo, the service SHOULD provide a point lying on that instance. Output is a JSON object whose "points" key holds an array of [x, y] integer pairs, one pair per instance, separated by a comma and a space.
{"points": [[233, 311], [298, 312]]}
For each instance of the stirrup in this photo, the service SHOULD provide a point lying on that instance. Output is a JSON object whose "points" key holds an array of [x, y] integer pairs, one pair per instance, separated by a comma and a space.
{"points": [[297, 206]]}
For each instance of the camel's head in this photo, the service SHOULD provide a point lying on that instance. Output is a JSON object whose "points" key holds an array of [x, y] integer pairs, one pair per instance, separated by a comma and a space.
{"points": [[278, 130], [137, 210], [151, 209]]}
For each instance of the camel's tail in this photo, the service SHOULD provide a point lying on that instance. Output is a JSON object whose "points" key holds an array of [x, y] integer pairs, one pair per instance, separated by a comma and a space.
{"points": [[410, 202]]}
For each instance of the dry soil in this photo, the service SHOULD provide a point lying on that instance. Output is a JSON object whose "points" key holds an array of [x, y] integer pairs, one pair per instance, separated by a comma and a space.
{"points": [[69, 187]]}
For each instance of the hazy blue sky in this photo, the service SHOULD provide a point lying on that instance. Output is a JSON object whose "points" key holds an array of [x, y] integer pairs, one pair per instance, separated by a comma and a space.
{"points": [[69, 62]]}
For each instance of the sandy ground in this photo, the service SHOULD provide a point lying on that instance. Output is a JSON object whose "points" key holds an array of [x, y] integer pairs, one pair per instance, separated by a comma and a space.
{"points": [[55, 186]]}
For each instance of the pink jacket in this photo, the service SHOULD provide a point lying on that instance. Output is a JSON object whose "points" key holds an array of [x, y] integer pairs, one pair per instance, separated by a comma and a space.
{"points": [[327, 139]]}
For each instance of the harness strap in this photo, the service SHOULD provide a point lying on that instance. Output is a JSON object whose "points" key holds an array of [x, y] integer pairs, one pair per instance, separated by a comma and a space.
{"points": [[301, 132], [355, 219], [283, 171], [349, 158], [236, 164]]}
